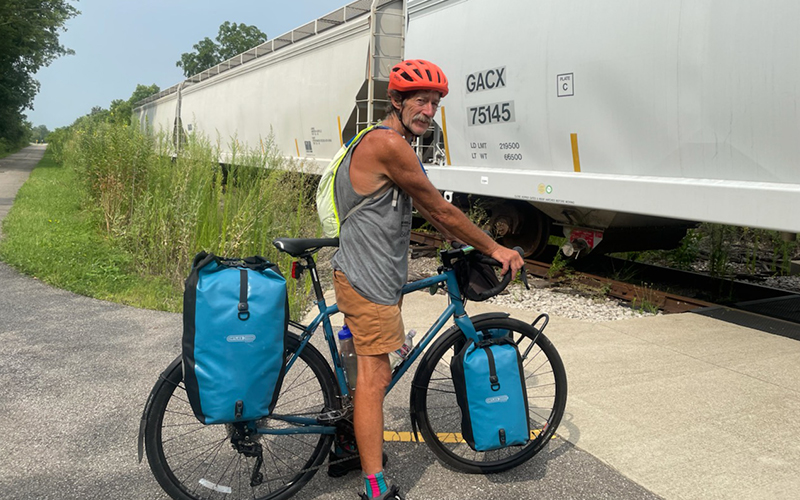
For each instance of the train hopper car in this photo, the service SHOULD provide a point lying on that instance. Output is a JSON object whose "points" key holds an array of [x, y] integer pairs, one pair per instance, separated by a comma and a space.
{"points": [[619, 123]]}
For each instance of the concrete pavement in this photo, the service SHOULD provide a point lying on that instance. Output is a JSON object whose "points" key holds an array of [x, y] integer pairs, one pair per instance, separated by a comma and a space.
{"points": [[686, 406]]}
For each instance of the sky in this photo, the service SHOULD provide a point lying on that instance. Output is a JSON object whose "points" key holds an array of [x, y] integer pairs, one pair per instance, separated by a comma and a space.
{"points": [[120, 43]]}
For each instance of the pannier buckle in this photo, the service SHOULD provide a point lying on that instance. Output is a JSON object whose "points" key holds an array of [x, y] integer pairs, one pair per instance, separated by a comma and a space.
{"points": [[238, 409], [244, 314]]}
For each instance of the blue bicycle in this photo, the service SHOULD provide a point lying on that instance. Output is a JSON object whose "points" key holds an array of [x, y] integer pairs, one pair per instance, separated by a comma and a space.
{"points": [[273, 458]]}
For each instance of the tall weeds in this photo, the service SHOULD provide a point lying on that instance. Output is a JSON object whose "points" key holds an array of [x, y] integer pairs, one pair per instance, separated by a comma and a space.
{"points": [[164, 207]]}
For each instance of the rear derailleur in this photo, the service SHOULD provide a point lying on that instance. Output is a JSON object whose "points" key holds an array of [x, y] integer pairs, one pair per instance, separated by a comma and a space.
{"points": [[242, 442]]}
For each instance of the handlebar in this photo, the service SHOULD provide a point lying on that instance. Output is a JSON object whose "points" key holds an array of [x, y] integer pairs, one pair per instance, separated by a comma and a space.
{"points": [[458, 251]]}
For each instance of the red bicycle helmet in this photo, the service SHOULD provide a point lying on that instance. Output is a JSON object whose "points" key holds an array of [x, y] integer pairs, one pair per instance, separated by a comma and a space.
{"points": [[418, 74]]}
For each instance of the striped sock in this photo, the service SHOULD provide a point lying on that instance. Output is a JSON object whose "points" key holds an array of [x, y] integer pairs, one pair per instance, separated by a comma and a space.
{"points": [[375, 484]]}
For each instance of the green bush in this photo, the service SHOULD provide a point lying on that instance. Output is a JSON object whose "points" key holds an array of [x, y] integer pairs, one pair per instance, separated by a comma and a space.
{"points": [[161, 208]]}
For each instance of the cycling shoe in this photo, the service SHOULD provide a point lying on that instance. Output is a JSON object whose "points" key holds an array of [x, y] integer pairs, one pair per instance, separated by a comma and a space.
{"points": [[392, 493]]}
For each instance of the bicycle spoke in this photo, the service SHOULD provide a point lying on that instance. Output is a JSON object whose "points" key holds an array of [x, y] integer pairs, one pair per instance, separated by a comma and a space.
{"points": [[206, 446], [203, 465], [442, 390], [165, 426], [209, 465], [294, 388], [288, 387], [275, 459], [185, 414], [295, 399], [297, 439], [222, 476], [184, 434], [441, 419]]}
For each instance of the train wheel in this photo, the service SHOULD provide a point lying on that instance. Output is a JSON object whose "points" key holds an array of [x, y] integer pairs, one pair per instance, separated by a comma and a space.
{"points": [[517, 223]]}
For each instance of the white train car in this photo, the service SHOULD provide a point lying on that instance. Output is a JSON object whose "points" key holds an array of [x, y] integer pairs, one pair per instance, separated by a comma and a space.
{"points": [[621, 121]]}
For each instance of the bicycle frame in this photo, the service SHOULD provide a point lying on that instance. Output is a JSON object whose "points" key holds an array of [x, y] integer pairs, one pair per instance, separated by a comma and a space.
{"points": [[454, 309]]}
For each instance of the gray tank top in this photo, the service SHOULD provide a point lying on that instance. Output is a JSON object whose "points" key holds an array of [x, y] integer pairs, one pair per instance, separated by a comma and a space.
{"points": [[373, 241]]}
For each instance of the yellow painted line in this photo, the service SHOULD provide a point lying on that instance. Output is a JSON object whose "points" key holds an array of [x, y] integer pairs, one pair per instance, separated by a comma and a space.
{"points": [[297, 148], [404, 437], [576, 160], [444, 133], [444, 437], [339, 120]]}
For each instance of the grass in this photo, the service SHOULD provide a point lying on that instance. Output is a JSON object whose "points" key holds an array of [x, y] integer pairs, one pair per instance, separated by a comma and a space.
{"points": [[49, 235], [726, 250], [117, 214], [4, 153]]}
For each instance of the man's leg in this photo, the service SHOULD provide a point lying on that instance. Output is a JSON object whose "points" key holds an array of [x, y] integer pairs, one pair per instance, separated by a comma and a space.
{"points": [[374, 376]]}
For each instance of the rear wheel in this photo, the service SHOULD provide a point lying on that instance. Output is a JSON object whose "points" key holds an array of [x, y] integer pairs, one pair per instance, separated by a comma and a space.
{"points": [[193, 461], [439, 415]]}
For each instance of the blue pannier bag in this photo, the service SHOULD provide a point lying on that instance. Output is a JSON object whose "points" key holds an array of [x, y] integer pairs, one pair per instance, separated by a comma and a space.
{"points": [[235, 322], [490, 390]]}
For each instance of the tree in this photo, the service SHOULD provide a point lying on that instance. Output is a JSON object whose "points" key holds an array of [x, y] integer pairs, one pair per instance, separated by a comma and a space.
{"points": [[141, 92], [235, 38], [120, 112], [232, 39], [40, 133], [29, 31], [205, 56]]}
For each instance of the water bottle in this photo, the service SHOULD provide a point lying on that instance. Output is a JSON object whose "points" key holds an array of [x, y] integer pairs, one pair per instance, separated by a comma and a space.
{"points": [[347, 353], [397, 357]]}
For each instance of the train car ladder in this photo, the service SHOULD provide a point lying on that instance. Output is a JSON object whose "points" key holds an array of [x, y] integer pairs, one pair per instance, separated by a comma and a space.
{"points": [[386, 47]]}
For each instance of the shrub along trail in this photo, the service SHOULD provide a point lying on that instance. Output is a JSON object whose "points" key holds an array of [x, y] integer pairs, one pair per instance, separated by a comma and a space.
{"points": [[118, 214]]}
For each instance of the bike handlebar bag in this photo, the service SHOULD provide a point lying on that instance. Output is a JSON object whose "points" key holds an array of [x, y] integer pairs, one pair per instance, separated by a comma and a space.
{"points": [[474, 278], [490, 389], [235, 323]]}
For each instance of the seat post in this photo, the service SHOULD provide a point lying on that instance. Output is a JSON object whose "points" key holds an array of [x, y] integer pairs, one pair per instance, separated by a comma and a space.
{"points": [[312, 268]]}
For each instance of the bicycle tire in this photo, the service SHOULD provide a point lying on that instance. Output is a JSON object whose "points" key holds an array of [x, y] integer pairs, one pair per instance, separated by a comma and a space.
{"points": [[439, 416], [193, 461]]}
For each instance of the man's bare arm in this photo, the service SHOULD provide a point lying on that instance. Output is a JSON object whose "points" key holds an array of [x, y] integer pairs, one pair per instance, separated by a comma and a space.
{"points": [[443, 230], [392, 157]]}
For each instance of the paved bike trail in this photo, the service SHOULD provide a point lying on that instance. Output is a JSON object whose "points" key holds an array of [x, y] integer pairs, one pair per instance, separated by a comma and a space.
{"points": [[14, 171], [75, 373]]}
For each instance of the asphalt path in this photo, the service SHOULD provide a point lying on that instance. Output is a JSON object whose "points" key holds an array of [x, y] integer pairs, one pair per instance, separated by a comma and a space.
{"points": [[14, 170], [75, 373]]}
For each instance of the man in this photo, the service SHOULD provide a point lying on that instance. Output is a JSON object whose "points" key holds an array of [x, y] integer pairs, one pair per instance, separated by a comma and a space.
{"points": [[371, 264]]}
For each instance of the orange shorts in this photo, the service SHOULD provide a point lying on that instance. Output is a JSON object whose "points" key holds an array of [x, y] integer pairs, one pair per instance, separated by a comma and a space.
{"points": [[377, 328]]}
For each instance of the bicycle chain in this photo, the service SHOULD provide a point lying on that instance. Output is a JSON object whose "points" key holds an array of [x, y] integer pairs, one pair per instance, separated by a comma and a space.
{"points": [[317, 467], [339, 416]]}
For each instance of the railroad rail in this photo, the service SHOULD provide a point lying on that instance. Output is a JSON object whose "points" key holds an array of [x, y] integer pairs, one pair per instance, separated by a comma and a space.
{"points": [[667, 302]]}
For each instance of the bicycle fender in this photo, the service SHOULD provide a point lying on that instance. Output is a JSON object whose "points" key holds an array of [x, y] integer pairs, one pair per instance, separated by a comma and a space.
{"points": [[415, 383], [143, 423]]}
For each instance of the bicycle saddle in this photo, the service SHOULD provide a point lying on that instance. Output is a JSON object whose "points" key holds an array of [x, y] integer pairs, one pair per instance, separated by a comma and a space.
{"points": [[301, 246]]}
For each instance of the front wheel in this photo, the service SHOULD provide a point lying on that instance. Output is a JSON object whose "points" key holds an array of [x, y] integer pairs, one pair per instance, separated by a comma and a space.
{"points": [[439, 416], [193, 461]]}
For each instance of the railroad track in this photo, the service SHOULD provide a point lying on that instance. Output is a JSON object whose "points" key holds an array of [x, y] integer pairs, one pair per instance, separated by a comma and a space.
{"points": [[668, 302]]}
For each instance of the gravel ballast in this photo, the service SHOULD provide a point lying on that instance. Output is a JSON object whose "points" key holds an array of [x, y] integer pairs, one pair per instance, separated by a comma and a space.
{"points": [[564, 301]]}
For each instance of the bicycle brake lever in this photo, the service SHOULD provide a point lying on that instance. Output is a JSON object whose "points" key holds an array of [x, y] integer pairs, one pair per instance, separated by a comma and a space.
{"points": [[524, 275], [525, 278]]}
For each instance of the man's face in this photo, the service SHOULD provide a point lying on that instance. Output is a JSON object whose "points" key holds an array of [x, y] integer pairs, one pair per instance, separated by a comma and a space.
{"points": [[419, 110]]}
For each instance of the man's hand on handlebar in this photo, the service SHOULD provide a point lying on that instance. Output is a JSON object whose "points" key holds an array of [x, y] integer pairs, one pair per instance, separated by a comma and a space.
{"points": [[510, 259]]}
